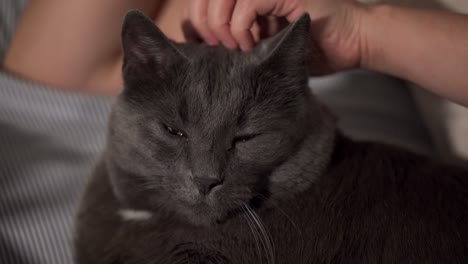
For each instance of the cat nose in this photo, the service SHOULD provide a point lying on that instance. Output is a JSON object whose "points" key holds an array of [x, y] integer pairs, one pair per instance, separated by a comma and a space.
{"points": [[205, 184]]}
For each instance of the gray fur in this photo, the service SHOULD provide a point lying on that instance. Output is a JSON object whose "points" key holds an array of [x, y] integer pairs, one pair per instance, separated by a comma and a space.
{"points": [[289, 188], [213, 96]]}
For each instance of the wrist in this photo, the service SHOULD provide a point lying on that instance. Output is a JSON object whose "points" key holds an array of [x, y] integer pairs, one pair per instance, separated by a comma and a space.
{"points": [[372, 36], [340, 29]]}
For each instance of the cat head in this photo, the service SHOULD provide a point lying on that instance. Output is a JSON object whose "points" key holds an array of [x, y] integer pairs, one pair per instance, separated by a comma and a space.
{"points": [[201, 131]]}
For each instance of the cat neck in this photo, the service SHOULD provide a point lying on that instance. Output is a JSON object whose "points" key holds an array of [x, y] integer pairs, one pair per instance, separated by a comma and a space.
{"points": [[310, 161]]}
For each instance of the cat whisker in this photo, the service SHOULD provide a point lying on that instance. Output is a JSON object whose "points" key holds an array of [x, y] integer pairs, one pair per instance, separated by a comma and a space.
{"points": [[253, 229], [279, 210], [265, 237], [277, 207]]}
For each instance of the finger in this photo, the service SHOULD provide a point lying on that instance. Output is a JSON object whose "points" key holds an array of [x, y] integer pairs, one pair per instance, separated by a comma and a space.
{"points": [[290, 9], [293, 14], [256, 29], [242, 20], [198, 17], [219, 16]]}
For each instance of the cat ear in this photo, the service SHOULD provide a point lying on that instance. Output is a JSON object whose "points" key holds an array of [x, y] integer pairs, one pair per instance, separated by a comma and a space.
{"points": [[143, 43], [289, 48]]}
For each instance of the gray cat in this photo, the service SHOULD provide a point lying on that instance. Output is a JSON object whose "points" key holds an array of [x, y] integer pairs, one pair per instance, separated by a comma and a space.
{"points": [[218, 156]]}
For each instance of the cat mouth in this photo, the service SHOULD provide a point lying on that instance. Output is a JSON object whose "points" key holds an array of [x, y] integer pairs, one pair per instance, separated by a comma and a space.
{"points": [[206, 214], [219, 208]]}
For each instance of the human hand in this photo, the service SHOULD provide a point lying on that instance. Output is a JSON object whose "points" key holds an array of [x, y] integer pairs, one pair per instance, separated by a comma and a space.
{"points": [[335, 25], [232, 22]]}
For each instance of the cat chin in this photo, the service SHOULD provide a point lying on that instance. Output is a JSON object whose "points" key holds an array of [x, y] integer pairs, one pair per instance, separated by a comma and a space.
{"points": [[203, 219], [203, 215]]}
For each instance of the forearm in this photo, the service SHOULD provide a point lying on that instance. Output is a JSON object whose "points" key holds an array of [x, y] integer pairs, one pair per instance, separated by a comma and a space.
{"points": [[71, 44], [427, 47]]}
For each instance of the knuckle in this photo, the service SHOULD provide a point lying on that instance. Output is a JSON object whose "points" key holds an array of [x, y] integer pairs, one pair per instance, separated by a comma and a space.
{"points": [[218, 29]]}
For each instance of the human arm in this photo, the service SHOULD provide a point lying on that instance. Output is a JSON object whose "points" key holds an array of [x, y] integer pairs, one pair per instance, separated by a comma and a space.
{"points": [[75, 45], [427, 47]]}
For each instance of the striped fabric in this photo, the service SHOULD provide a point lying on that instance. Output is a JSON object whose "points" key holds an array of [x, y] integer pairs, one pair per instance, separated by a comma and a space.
{"points": [[49, 141]]}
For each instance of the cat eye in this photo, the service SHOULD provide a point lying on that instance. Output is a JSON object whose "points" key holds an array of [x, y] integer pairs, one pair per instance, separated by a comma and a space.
{"points": [[174, 132], [243, 138]]}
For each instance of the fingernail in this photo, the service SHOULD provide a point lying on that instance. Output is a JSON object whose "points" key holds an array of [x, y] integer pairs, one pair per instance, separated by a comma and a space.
{"points": [[211, 41]]}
